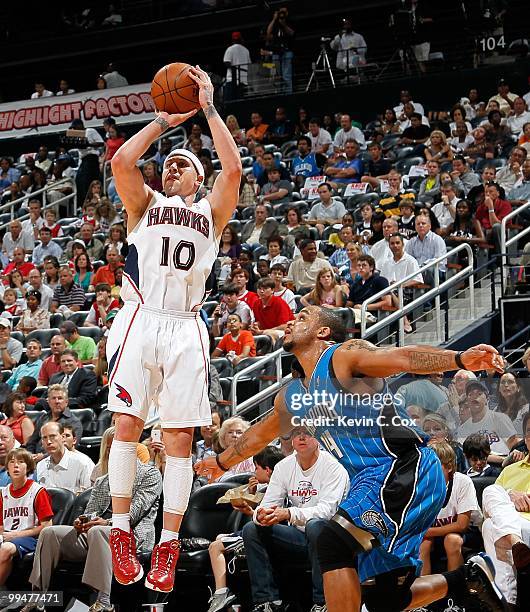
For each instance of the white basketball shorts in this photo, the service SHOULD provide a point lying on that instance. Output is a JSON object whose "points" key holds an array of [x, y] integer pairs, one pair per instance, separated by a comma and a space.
{"points": [[161, 358]]}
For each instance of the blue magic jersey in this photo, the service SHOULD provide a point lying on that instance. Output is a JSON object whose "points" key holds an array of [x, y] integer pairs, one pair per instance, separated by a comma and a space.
{"points": [[397, 484], [360, 430]]}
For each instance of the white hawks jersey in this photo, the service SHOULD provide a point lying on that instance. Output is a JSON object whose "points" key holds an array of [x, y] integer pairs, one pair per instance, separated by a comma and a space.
{"points": [[172, 251], [19, 512]]}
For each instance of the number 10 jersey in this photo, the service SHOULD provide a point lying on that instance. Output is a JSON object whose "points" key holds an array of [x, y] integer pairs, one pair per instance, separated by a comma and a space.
{"points": [[172, 250]]}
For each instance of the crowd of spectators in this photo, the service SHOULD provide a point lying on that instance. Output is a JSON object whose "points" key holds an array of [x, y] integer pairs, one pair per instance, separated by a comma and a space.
{"points": [[330, 213]]}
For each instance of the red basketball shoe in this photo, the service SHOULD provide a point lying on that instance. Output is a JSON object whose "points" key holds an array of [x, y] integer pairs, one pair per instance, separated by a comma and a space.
{"points": [[163, 562], [126, 567]]}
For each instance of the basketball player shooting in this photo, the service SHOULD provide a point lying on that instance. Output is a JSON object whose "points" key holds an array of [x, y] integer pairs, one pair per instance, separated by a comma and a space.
{"points": [[158, 345], [397, 485]]}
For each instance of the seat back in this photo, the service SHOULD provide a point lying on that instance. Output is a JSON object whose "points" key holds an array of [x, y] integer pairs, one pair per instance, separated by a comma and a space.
{"points": [[204, 517], [92, 332], [44, 336], [79, 504], [263, 345], [35, 415], [62, 501], [480, 483], [79, 317], [87, 418]]}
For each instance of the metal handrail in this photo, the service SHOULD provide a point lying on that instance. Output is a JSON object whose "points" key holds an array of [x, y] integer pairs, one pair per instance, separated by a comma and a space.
{"points": [[506, 242], [49, 187], [435, 292], [64, 198], [256, 365]]}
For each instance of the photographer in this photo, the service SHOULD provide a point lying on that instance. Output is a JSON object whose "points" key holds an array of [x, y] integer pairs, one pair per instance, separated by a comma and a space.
{"points": [[350, 46], [280, 38]]}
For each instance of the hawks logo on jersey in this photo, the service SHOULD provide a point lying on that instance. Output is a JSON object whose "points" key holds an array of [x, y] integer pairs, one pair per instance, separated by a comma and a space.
{"points": [[171, 215]]}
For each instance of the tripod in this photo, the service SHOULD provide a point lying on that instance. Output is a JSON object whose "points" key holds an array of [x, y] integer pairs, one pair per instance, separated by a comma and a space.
{"points": [[322, 65]]}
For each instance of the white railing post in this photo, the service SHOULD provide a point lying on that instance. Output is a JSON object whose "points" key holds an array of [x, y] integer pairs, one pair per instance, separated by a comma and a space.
{"points": [[505, 242]]}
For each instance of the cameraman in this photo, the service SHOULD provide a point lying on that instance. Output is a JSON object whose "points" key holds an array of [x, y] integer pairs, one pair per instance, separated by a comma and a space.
{"points": [[280, 39], [350, 46]]}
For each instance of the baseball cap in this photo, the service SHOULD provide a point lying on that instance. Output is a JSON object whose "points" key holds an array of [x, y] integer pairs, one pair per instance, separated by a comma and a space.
{"points": [[110, 316], [236, 36], [5, 322], [476, 384]]}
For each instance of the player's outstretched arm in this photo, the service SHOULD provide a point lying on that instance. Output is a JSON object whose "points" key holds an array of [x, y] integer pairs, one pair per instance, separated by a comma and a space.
{"points": [[362, 357], [134, 193], [250, 443], [225, 192]]}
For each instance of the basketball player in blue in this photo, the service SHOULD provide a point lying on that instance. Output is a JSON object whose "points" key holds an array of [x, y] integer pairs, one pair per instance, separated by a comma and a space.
{"points": [[157, 348], [397, 484]]}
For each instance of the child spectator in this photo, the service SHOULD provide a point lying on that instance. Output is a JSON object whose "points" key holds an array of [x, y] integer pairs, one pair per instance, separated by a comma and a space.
{"points": [[264, 463], [11, 305], [237, 344], [454, 518], [278, 273], [25, 509], [477, 450]]}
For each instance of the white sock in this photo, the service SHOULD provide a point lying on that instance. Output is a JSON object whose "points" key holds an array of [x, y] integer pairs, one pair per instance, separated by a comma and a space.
{"points": [[221, 591], [121, 521], [167, 536], [122, 468], [104, 599], [178, 480]]}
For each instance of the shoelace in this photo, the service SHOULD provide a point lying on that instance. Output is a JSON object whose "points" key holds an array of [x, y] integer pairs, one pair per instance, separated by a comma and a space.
{"points": [[166, 555], [451, 607]]}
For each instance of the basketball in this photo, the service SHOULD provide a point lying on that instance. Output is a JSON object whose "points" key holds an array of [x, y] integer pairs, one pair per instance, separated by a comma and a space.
{"points": [[173, 90]]}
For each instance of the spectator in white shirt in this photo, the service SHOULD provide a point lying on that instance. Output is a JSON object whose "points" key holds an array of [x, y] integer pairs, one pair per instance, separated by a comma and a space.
{"points": [[40, 91], [425, 247], [236, 59], [278, 272], [380, 251], [404, 97], [196, 132], [348, 132], [326, 211], [350, 46], [62, 468], [64, 88], [314, 483], [519, 117], [35, 280], [15, 237], [446, 209], [320, 138]]}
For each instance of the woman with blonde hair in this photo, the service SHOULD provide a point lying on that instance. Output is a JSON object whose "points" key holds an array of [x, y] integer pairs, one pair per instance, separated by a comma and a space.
{"points": [[327, 292], [229, 433], [237, 133], [102, 466], [437, 148]]}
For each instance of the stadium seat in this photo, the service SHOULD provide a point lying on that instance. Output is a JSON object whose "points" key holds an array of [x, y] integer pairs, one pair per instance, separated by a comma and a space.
{"points": [[56, 319], [87, 418], [404, 165], [67, 221], [62, 241], [62, 502], [19, 336], [93, 332], [44, 336], [223, 366], [78, 317], [79, 504], [104, 421], [209, 307], [90, 445], [404, 152], [263, 345], [40, 391], [6, 375]]}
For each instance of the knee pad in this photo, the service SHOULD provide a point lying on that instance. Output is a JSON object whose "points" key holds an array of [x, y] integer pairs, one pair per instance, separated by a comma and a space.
{"points": [[389, 592], [340, 541]]}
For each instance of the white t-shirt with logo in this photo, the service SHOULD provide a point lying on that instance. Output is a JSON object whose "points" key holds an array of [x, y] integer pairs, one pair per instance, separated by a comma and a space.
{"points": [[313, 493], [463, 498], [495, 425]]}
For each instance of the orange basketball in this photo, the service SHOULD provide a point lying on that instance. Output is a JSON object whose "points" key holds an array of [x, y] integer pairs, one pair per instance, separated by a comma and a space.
{"points": [[173, 90]]}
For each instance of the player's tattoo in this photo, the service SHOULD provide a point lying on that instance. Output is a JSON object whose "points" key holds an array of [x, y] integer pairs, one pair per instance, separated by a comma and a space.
{"points": [[162, 123], [210, 111], [353, 345], [431, 362]]}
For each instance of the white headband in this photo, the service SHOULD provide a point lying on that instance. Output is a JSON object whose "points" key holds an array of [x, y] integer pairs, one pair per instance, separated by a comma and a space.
{"points": [[192, 158]]}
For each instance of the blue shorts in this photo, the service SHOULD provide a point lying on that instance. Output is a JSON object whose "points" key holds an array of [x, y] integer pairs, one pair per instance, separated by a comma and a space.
{"points": [[25, 545], [397, 502]]}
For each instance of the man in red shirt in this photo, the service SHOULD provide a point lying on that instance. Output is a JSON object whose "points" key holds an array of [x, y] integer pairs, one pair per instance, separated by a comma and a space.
{"points": [[52, 364], [18, 263], [240, 279], [271, 313], [105, 274], [491, 213], [237, 344]]}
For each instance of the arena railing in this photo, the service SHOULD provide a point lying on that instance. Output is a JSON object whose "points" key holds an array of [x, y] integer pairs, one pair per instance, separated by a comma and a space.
{"points": [[467, 272], [10, 206], [507, 242]]}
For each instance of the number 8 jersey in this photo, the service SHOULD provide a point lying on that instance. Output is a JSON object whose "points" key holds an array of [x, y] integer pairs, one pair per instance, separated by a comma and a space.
{"points": [[172, 250]]}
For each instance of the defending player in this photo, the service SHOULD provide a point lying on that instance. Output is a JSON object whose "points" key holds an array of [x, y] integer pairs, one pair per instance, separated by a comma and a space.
{"points": [[397, 484], [158, 345]]}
